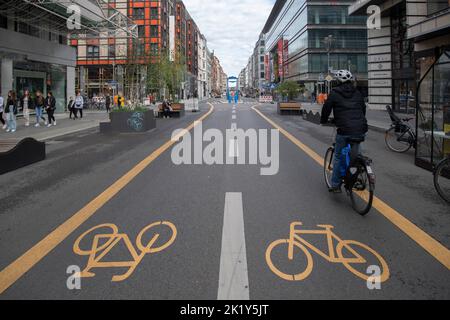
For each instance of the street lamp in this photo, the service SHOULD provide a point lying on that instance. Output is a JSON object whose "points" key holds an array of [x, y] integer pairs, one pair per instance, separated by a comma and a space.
{"points": [[329, 43]]}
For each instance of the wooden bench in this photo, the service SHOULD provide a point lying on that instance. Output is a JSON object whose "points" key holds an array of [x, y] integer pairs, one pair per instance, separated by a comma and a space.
{"points": [[16, 153], [177, 111], [289, 108]]}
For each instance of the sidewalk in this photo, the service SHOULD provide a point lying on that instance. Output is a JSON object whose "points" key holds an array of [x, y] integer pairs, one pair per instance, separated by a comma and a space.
{"points": [[378, 119], [91, 119]]}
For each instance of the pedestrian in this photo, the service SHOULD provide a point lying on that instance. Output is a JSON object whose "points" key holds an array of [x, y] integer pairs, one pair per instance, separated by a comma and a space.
{"points": [[79, 104], [71, 108], [108, 103], [166, 109], [50, 107], [1, 112], [26, 104], [11, 112], [313, 97], [39, 107]]}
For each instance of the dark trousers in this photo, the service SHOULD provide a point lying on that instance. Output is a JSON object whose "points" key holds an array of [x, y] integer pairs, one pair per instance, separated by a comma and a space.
{"points": [[1, 118], [73, 112], [51, 117], [166, 113], [80, 111], [108, 107]]}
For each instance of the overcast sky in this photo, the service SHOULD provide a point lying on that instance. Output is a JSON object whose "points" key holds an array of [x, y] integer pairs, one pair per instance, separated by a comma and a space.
{"points": [[231, 27]]}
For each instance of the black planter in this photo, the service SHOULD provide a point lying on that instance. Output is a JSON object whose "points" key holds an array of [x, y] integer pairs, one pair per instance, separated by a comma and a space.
{"points": [[129, 122]]}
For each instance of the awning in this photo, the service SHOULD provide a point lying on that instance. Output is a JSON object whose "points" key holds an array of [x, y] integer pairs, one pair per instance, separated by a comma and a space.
{"points": [[97, 16]]}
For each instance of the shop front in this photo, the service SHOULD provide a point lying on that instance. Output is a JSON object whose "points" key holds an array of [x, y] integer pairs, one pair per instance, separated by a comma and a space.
{"points": [[433, 108]]}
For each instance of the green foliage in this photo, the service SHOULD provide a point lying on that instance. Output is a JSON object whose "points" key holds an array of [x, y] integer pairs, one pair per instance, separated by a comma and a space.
{"points": [[165, 74], [289, 89], [133, 108]]}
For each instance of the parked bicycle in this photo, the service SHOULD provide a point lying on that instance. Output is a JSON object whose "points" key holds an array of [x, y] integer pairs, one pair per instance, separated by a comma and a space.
{"points": [[358, 177], [400, 137], [442, 179]]}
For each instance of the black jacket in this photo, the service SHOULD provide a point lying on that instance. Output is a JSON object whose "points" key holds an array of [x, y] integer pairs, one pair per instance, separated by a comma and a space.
{"points": [[50, 103], [40, 101], [349, 110], [11, 103]]}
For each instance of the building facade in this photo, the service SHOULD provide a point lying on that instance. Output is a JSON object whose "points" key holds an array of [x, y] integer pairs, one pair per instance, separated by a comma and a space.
{"points": [[202, 78], [36, 56], [410, 32], [306, 40], [409, 63]]}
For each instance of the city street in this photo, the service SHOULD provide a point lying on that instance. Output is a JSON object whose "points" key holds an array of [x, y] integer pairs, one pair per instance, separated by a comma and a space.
{"points": [[217, 224]]}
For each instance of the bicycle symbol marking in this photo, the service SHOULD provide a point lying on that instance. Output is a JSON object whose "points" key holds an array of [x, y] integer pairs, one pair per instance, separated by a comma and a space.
{"points": [[103, 243], [136, 121], [335, 254]]}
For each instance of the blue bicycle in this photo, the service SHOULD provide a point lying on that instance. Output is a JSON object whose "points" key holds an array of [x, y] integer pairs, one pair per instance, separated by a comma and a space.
{"points": [[358, 177]]}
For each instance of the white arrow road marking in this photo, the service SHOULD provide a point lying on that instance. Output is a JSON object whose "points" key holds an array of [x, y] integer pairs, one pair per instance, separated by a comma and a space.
{"points": [[234, 126], [233, 278]]}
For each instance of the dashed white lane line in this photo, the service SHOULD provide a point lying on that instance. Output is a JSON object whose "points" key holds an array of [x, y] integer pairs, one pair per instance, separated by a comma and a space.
{"points": [[233, 117], [233, 277], [234, 126], [234, 149]]}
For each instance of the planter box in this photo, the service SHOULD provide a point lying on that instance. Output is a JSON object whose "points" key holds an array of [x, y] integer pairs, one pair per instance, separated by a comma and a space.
{"points": [[289, 108], [129, 122]]}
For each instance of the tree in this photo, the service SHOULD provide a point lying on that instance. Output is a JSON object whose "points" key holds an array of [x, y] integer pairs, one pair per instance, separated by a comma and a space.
{"points": [[165, 76], [289, 89]]}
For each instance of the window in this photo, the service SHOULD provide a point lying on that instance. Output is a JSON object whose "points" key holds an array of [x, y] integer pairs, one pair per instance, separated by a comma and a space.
{"points": [[154, 14], [138, 13], [154, 31], [3, 22], [93, 52], [141, 31], [434, 6], [112, 50]]}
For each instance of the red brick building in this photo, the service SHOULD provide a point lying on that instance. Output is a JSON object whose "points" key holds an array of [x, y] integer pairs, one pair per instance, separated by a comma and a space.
{"points": [[101, 61]]}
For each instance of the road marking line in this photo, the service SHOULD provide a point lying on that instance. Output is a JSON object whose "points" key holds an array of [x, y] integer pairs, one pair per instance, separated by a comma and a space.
{"points": [[234, 126], [233, 277], [23, 264], [233, 117], [431, 245]]}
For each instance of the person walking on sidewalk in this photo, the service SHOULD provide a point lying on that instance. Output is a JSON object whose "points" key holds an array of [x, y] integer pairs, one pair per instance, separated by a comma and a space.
{"points": [[71, 108], [26, 104], [108, 103], [50, 107], [79, 104], [1, 112], [39, 107], [11, 111]]}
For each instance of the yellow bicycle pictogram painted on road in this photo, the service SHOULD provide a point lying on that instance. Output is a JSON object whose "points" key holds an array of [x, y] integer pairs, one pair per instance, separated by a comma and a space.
{"points": [[103, 243], [334, 255]]}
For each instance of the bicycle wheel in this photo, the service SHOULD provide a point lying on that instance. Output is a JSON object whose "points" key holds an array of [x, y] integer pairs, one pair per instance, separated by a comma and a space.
{"points": [[399, 142], [328, 166], [361, 192], [289, 277], [442, 180], [364, 263]]}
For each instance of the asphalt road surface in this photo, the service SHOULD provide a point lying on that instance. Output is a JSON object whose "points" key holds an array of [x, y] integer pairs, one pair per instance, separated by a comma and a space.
{"points": [[200, 231]]}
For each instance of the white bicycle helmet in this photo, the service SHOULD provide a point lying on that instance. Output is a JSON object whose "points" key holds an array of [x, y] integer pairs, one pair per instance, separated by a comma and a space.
{"points": [[344, 76]]}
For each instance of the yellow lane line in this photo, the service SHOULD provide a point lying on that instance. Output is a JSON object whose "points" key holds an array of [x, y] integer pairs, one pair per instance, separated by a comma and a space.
{"points": [[23, 264], [432, 246]]}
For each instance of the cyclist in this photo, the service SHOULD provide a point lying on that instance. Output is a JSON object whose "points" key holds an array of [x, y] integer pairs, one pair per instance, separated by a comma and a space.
{"points": [[349, 110]]}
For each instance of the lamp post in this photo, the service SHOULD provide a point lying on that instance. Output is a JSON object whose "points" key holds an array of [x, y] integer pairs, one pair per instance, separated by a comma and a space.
{"points": [[329, 43]]}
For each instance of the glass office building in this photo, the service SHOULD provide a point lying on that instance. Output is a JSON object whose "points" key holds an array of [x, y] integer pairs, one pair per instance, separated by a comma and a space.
{"points": [[297, 47]]}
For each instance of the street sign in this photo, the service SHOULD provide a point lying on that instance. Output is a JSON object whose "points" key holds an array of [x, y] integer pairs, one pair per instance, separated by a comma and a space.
{"points": [[329, 78]]}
